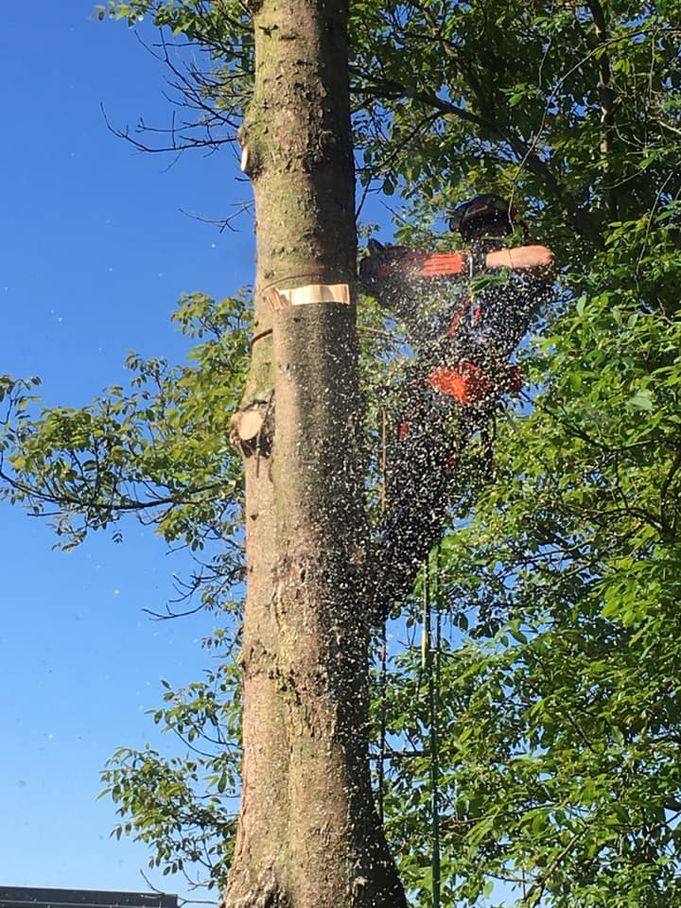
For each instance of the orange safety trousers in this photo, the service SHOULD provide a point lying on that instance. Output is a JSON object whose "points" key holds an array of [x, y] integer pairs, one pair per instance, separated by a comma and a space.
{"points": [[470, 384]]}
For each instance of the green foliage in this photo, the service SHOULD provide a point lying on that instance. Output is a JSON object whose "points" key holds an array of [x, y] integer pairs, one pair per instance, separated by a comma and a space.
{"points": [[210, 24], [159, 450], [507, 97], [560, 711], [559, 714], [184, 806]]}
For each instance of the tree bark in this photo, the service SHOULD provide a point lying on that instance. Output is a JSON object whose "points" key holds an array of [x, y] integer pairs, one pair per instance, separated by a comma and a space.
{"points": [[308, 834]]}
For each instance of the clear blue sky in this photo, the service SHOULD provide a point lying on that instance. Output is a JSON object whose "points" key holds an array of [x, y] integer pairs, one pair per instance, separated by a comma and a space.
{"points": [[94, 251]]}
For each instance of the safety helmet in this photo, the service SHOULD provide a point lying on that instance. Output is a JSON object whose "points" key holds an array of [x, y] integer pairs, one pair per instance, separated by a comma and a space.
{"points": [[473, 216]]}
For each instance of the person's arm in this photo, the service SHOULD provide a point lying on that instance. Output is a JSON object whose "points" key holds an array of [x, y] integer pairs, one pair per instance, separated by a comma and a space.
{"points": [[521, 258]]}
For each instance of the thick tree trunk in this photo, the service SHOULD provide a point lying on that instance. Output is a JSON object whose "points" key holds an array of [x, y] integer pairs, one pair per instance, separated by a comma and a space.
{"points": [[308, 832]]}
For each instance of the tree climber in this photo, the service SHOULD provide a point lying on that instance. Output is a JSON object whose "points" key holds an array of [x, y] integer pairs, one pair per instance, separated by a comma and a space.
{"points": [[462, 343]]}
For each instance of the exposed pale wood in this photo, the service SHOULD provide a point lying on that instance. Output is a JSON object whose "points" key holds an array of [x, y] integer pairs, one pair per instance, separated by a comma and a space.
{"points": [[308, 295], [247, 424]]}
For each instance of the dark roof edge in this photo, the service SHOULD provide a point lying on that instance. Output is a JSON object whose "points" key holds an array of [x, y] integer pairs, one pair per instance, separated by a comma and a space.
{"points": [[38, 897]]}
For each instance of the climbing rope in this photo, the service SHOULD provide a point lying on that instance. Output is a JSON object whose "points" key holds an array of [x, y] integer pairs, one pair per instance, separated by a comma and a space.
{"points": [[430, 666], [430, 669], [383, 690], [383, 672]]}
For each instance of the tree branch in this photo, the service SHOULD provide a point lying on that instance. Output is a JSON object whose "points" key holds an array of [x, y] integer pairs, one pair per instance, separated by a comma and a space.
{"points": [[526, 152], [607, 102], [123, 503]]}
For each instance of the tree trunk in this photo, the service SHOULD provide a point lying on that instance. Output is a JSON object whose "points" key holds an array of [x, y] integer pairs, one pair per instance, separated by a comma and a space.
{"points": [[308, 834]]}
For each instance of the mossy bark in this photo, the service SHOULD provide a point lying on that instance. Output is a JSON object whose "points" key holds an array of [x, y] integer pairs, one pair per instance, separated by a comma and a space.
{"points": [[308, 832]]}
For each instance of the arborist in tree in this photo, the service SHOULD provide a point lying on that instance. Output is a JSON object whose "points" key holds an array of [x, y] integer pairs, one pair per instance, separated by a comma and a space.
{"points": [[462, 337], [463, 340]]}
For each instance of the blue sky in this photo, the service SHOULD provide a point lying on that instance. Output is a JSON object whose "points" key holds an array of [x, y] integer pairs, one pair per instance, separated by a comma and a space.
{"points": [[94, 251]]}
